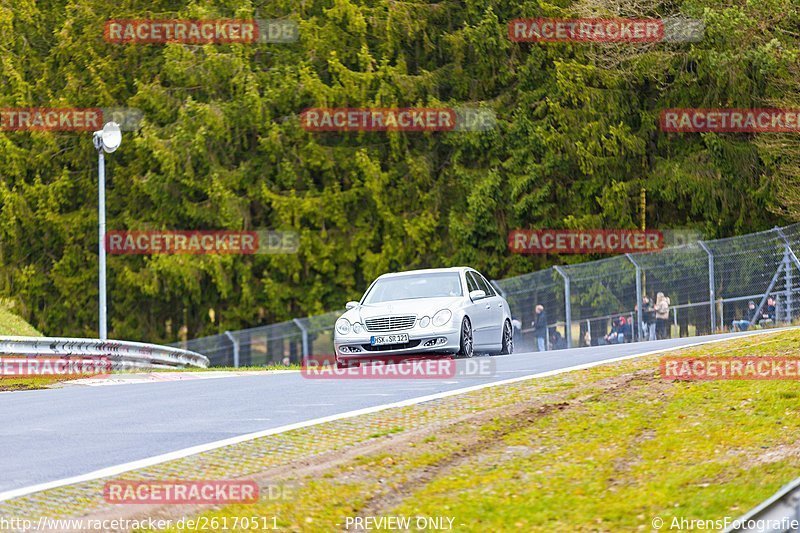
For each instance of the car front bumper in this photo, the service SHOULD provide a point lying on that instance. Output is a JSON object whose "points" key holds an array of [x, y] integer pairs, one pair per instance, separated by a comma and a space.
{"points": [[437, 342]]}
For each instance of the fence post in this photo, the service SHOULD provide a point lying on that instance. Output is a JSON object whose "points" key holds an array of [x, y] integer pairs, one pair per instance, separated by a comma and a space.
{"points": [[304, 333], [499, 290], [787, 286], [235, 348], [711, 292], [567, 307], [640, 326], [790, 255]]}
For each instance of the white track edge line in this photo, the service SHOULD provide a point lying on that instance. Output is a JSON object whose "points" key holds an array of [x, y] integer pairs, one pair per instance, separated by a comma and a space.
{"points": [[194, 450]]}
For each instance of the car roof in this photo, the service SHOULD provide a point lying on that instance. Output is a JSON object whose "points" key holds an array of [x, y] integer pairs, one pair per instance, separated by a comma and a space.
{"points": [[425, 271]]}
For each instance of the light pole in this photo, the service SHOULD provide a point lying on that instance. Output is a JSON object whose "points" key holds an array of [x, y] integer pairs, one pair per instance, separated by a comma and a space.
{"points": [[106, 140]]}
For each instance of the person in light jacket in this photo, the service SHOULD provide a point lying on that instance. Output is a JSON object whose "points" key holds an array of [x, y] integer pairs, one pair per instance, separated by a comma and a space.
{"points": [[540, 328], [662, 315]]}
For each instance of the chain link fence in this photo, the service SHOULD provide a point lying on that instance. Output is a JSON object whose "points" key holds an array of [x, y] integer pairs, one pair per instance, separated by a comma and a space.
{"points": [[709, 285]]}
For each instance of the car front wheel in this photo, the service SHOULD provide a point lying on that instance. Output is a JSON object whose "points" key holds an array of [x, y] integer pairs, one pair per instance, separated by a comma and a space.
{"points": [[467, 347], [508, 339]]}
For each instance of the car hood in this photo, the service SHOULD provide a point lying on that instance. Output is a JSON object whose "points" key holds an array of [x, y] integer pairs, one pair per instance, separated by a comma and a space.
{"points": [[419, 307]]}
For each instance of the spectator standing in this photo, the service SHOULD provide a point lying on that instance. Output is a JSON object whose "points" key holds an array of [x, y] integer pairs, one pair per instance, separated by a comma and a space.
{"points": [[540, 328], [662, 316]]}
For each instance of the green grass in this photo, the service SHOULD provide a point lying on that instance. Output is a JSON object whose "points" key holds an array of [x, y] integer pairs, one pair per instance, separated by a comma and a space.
{"points": [[11, 324], [32, 382], [609, 459], [42, 382], [389, 431]]}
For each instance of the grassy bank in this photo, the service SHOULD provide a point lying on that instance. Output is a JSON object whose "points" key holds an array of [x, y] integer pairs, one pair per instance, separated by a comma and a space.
{"points": [[605, 449], [11, 324]]}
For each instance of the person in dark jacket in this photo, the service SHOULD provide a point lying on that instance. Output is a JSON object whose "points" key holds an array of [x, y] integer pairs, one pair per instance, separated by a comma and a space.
{"points": [[625, 330], [557, 341], [648, 330], [615, 336], [540, 328], [768, 315]]}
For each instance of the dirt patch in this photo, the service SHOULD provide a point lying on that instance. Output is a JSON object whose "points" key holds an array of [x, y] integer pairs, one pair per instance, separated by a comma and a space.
{"points": [[778, 453]]}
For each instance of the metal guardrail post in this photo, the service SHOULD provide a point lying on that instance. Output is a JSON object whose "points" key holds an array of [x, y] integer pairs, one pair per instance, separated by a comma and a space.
{"points": [[235, 343], [711, 292], [639, 329], [567, 306], [304, 333]]}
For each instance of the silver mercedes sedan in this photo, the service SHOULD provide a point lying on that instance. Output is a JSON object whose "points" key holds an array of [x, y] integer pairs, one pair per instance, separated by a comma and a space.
{"points": [[441, 311]]}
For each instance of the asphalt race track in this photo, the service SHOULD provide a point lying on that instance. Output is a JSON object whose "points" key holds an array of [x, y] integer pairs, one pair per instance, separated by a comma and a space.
{"points": [[48, 435]]}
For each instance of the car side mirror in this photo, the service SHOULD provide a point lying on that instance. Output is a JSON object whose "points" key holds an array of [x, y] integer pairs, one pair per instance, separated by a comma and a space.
{"points": [[477, 295], [350, 305]]}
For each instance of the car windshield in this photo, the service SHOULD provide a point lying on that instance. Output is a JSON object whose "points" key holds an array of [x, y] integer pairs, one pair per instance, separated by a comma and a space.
{"points": [[442, 284]]}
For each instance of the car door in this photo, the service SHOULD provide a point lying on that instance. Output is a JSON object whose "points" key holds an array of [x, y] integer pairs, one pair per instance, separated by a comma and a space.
{"points": [[496, 312], [480, 312]]}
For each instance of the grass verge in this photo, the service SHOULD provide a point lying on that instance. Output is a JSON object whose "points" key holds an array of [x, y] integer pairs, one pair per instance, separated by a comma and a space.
{"points": [[44, 382], [604, 449]]}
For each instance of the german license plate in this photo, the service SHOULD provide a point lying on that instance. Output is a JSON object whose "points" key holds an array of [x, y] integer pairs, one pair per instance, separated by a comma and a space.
{"points": [[398, 338]]}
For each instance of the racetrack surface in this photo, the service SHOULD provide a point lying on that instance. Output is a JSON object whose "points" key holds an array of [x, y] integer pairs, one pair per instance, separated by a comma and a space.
{"points": [[49, 435]]}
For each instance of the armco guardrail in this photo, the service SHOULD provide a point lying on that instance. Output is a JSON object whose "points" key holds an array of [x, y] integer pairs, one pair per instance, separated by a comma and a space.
{"points": [[122, 354], [780, 513]]}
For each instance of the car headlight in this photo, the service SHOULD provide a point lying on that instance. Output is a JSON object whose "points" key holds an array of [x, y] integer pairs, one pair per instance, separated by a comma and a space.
{"points": [[358, 328], [342, 326], [424, 321], [442, 317]]}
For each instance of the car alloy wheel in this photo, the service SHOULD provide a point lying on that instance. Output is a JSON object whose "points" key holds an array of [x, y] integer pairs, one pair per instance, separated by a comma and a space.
{"points": [[508, 339], [467, 348]]}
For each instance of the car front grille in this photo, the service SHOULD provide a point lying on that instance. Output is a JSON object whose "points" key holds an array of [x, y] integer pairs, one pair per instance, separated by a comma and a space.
{"points": [[390, 323]]}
